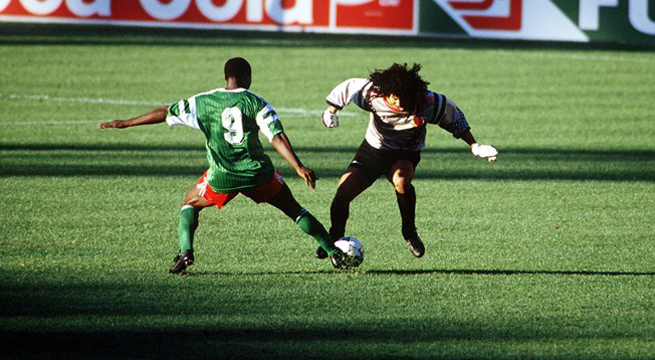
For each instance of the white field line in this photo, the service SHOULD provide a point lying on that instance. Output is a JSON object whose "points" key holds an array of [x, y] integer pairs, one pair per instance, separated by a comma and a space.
{"points": [[78, 100], [590, 57], [52, 122], [623, 58], [281, 111]]}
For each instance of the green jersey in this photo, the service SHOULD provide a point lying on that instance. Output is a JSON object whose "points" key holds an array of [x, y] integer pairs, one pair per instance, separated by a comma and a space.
{"points": [[231, 120]]}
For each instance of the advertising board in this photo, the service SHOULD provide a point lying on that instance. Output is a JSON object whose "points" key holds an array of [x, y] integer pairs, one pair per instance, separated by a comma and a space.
{"points": [[614, 21]]}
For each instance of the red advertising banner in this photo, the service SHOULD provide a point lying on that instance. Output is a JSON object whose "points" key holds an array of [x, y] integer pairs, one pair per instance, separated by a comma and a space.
{"points": [[382, 14], [276, 15]]}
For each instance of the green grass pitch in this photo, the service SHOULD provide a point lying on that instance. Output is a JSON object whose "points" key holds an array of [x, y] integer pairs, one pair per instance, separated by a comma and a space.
{"points": [[547, 253]]}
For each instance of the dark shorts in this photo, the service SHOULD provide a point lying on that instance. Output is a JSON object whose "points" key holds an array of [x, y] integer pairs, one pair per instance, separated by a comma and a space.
{"points": [[374, 162]]}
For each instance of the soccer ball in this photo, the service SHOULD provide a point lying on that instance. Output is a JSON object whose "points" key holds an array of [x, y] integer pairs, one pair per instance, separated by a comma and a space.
{"points": [[353, 248]]}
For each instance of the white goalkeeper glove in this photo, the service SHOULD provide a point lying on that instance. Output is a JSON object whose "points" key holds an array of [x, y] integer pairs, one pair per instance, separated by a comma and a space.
{"points": [[485, 151], [330, 120]]}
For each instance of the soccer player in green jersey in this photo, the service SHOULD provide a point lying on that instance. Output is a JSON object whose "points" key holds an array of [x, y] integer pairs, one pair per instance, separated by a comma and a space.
{"points": [[231, 118]]}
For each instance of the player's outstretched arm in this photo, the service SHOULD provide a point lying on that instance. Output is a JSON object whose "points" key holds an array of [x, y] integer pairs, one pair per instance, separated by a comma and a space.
{"points": [[281, 143], [155, 116], [483, 151], [455, 122]]}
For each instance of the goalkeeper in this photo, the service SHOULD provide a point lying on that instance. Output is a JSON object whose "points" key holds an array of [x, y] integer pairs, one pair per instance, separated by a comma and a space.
{"points": [[400, 107], [231, 119]]}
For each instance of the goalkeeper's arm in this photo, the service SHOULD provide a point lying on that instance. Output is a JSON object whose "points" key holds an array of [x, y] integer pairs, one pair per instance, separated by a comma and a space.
{"points": [[483, 151], [455, 122], [330, 118], [351, 90]]}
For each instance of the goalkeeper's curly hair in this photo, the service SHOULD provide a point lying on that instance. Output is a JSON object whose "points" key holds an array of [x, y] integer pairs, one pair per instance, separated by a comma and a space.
{"points": [[402, 81]]}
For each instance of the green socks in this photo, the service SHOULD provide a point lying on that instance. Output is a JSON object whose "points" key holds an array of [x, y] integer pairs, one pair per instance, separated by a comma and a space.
{"points": [[308, 223], [305, 221], [187, 227]]}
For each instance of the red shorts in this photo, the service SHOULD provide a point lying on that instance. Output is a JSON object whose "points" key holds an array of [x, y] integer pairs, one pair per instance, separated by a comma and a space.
{"points": [[261, 193]]}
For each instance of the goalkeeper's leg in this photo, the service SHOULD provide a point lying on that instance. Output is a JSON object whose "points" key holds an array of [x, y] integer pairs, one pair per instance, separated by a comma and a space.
{"points": [[401, 176], [352, 183]]}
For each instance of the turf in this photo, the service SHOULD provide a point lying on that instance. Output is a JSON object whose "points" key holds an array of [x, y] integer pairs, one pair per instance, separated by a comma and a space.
{"points": [[547, 253]]}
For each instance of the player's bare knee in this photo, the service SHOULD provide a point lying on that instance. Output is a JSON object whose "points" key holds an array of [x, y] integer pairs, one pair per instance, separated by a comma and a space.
{"points": [[192, 201], [401, 184]]}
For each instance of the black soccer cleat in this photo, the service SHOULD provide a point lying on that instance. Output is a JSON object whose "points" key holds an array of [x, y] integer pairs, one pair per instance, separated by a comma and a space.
{"points": [[320, 253], [415, 245], [181, 262]]}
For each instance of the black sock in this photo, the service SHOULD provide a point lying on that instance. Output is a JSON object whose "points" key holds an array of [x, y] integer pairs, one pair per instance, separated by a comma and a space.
{"points": [[338, 218], [407, 206]]}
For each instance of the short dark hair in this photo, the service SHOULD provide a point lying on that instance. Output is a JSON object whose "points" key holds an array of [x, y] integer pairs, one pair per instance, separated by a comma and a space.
{"points": [[402, 81], [237, 67]]}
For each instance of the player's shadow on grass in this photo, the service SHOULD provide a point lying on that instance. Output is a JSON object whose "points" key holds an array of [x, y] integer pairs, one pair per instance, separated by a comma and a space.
{"points": [[364, 272], [509, 272], [453, 163]]}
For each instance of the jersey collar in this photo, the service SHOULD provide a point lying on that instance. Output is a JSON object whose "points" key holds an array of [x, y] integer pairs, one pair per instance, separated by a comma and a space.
{"points": [[233, 90]]}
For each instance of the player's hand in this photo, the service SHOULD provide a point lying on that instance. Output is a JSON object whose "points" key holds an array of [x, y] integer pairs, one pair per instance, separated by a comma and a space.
{"points": [[308, 175], [484, 151], [116, 124], [330, 119]]}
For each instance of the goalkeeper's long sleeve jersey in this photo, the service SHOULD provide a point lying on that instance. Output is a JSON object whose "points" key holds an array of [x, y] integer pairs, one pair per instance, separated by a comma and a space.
{"points": [[392, 128]]}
